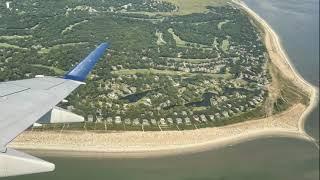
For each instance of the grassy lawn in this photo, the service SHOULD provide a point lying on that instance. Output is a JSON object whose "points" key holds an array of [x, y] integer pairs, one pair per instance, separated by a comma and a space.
{"points": [[150, 14], [185, 7], [69, 28], [154, 20], [222, 23], [182, 43], [200, 108], [215, 76], [15, 37], [194, 61], [240, 82], [179, 42], [5, 45], [47, 50], [168, 72], [56, 70], [160, 40], [148, 71], [225, 45], [195, 6]]}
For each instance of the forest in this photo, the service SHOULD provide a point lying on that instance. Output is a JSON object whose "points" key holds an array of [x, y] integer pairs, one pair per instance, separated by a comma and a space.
{"points": [[210, 65]]}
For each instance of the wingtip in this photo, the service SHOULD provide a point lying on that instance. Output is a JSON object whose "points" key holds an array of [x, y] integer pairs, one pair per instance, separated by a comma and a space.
{"points": [[81, 71], [104, 45]]}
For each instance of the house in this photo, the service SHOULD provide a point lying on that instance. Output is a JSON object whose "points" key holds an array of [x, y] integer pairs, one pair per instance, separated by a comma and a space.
{"points": [[90, 118], [187, 121], [251, 103], [99, 119], [225, 114], [118, 120], [170, 120], [255, 101], [136, 122], [231, 112], [153, 122], [127, 121], [179, 121], [145, 122], [203, 118], [184, 113], [217, 115], [196, 118], [109, 120], [212, 117], [163, 122]]}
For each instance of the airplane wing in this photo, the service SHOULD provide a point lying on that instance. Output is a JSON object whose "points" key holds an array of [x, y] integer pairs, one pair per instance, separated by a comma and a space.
{"points": [[23, 102]]}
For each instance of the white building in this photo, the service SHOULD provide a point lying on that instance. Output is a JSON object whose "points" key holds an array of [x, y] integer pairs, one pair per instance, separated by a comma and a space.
{"points": [[196, 118], [99, 119], [90, 118], [170, 120], [117, 120], [136, 122], [109, 120], [179, 121], [153, 122], [8, 5], [187, 121], [145, 122], [162, 122], [203, 118], [127, 121], [212, 117]]}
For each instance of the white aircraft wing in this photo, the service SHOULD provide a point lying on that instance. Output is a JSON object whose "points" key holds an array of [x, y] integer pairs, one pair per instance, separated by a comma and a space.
{"points": [[24, 102]]}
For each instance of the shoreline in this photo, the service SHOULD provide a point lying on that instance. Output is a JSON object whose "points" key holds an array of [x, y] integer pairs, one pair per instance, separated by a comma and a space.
{"points": [[155, 144], [160, 152], [289, 123], [312, 90]]}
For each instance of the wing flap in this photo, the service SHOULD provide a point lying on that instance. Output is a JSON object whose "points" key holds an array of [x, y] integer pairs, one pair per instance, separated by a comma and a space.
{"points": [[7, 89], [13, 163], [42, 83]]}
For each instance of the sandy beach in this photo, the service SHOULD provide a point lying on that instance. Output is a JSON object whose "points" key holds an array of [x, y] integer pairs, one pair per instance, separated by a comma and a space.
{"points": [[289, 123]]}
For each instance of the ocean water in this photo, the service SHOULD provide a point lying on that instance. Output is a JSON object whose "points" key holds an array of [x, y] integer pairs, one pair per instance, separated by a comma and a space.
{"points": [[265, 159], [270, 158], [297, 24]]}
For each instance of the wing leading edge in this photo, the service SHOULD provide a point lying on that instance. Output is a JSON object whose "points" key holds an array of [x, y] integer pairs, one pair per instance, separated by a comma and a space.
{"points": [[23, 102]]}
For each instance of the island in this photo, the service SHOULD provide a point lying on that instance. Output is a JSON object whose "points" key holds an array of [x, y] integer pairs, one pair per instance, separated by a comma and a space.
{"points": [[181, 75]]}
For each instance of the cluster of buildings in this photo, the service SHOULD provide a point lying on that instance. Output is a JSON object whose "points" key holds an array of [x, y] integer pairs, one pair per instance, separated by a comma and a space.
{"points": [[183, 118], [236, 75]]}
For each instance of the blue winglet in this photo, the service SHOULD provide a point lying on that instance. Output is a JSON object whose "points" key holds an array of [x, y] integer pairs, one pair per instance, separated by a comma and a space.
{"points": [[81, 71]]}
